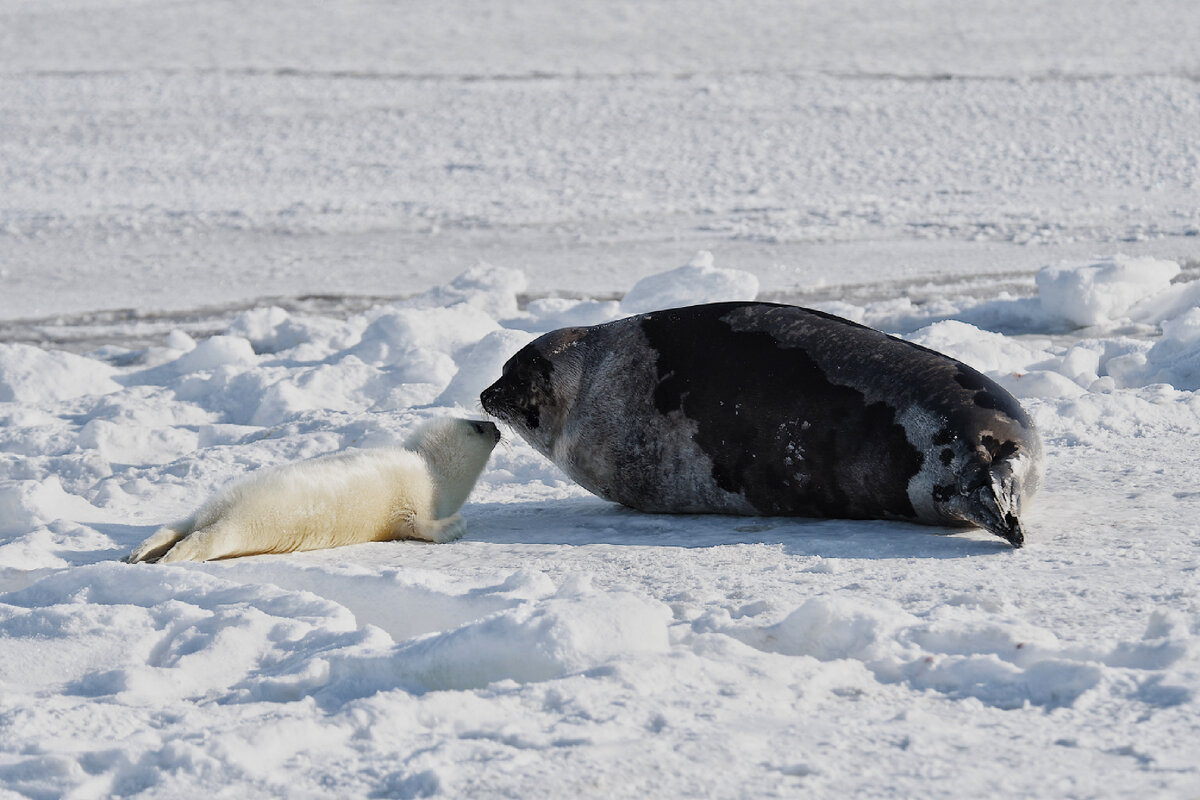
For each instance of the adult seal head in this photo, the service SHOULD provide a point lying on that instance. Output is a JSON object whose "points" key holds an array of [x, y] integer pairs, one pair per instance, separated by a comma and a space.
{"points": [[758, 408]]}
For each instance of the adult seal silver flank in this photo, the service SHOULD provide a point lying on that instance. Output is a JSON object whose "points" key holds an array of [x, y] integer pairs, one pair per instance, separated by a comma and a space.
{"points": [[758, 408]]}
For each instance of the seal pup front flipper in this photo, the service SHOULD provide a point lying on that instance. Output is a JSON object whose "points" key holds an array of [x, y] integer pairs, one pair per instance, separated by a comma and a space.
{"points": [[161, 541]]}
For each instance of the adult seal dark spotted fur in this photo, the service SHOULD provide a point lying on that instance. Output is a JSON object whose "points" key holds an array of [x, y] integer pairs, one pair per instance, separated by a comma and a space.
{"points": [[759, 408]]}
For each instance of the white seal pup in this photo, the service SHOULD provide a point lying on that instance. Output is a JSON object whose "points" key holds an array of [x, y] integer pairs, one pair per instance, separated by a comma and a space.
{"points": [[760, 408], [374, 495]]}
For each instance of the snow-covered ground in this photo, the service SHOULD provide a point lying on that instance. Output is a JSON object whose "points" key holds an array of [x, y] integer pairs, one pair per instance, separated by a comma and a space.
{"points": [[237, 235]]}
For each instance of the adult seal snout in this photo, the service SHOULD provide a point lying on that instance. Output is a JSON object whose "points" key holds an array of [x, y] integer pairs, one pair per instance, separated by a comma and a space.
{"points": [[758, 408]]}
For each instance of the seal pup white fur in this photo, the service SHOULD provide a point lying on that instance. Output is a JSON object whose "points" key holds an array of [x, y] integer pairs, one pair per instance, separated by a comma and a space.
{"points": [[413, 492]]}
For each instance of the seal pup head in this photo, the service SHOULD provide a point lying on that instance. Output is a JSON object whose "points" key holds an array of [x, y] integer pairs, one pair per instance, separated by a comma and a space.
{"points": [[455, 452], [538, 386]]}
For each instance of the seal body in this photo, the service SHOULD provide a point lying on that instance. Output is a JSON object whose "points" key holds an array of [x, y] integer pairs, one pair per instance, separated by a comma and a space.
{"points": [[759, 408], [410, 492]]}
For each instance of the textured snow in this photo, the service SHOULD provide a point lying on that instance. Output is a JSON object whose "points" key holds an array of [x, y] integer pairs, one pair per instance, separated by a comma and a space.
{"points": [[1012, 184], [597, 638], [697, 281], [1091, 294]]}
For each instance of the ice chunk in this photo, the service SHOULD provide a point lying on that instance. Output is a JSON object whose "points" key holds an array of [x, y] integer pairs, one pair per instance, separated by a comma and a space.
{"points": [[480, 364], [698, 281], [492, 290], [397, 334], [549, 313], [983, 350], [31, 375], [1175, 358], [216, 351], [24, 505], [1096, 292], [571, 631]]}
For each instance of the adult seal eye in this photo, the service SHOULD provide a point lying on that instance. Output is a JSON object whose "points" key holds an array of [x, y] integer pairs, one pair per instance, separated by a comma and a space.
{"points": [[759, 408]]}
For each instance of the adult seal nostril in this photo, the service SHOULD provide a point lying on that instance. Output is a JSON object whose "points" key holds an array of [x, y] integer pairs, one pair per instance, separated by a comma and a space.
{"points": [[759, 408]]}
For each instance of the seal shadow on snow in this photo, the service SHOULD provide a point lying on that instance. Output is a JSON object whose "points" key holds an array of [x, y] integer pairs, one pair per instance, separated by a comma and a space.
{"points": [[123, 534], [589, 521], [74, 548]]}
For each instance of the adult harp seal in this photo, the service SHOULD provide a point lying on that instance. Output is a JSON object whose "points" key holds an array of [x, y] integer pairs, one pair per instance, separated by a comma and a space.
{"points": [[766, 409]]}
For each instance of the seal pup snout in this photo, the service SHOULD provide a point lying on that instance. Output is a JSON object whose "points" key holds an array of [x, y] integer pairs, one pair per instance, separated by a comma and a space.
{"points": [[486, 428]]}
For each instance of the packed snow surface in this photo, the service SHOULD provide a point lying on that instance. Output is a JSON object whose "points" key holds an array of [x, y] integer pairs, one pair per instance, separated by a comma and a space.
{"points": [[566, 641], [419, 190]]}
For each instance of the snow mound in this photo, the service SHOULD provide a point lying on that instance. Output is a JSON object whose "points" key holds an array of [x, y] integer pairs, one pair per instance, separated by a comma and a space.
{"points": [[576, 629], [399, 336], [696, 282], [983, 350], [273, 330], [1119, 290], [549, 313], [1121, 363], [832, 628], [39, 377], [983, 652], [214, 352], [479, 365], [492, 290], [141, 636], [1042, 383], [146, 637], [1175, 358], [120, 442], [27, 504], [347, 385], [1101, 291], [539, 633]]}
